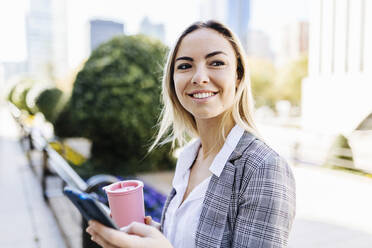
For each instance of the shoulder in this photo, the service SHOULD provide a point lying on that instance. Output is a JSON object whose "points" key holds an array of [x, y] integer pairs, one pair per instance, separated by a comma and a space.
{"points": [[258, 159], [255, 150]]}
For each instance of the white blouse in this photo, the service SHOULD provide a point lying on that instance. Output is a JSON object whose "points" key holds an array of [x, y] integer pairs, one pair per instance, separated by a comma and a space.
{"points": [[181, 221]]}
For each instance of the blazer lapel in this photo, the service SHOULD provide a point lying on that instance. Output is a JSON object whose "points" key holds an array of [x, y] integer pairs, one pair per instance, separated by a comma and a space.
{"points": [[166, 205], [213, 218], [242, 145]]}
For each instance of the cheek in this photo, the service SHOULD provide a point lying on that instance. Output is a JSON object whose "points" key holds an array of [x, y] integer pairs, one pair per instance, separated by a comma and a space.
{"points": [[179, 88], [229, 94], [179, 95], [227, 82]]}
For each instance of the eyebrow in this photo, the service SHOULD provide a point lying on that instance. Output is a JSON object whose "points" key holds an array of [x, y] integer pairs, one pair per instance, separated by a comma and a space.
{"points": [[206, 56]]}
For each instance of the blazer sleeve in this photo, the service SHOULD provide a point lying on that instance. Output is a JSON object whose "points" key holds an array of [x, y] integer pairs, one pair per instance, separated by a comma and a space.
{"points": [[266, 207]]}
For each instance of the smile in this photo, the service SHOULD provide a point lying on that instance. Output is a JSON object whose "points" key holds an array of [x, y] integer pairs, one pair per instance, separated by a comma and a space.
{"points": [[202, 95]]}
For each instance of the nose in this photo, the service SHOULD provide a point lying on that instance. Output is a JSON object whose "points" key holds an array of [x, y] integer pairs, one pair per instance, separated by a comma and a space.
{"points": [[200, 76]]}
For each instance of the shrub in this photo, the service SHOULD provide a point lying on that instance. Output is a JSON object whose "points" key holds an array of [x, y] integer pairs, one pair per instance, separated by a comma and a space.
{"points": [[18, 95], [115, 103], [289, 80], [9, 97], [262, 74], [48, 102]]}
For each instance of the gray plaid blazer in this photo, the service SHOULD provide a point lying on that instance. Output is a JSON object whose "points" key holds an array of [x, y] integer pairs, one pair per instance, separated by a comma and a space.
{"points": [[252, 203]]}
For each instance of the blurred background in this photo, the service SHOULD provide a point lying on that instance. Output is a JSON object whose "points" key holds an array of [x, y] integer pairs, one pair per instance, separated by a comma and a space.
{"points": [[82, 79]]}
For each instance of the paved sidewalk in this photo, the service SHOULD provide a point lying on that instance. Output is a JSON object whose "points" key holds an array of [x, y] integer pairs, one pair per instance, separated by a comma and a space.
{"points": [[334, 209], [26, 221]]}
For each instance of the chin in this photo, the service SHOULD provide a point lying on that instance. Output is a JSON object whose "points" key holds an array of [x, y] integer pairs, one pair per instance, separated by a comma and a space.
{"points": [[203, 116]]}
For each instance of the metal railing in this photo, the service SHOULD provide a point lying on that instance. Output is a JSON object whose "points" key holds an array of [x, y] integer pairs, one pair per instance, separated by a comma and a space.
{"points": [[54, 164]]}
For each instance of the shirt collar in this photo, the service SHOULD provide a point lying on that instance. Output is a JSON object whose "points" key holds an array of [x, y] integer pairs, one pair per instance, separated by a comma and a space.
{"points": [[230, 144], [185, 160], [189, 153]]}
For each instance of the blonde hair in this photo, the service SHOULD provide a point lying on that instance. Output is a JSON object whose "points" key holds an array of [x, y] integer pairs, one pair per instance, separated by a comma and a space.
{"points": [[176, 124]]}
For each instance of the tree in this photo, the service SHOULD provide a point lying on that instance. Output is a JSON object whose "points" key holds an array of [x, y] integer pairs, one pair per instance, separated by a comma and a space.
{"points": [[18, 94], [48, 102], [115, 103], [288, 83], [262, 79]]}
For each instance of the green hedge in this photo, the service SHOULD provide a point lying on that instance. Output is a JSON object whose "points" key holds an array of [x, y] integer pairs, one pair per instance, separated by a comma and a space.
{"points": [[18, 95], [48, 102], [116, 103]]}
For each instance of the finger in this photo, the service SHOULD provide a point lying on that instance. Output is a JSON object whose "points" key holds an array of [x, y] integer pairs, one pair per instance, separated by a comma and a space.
{"points": [[139, 229], [157, 225], [102, 242], [90, 230], [112, 236], [148, 220]]}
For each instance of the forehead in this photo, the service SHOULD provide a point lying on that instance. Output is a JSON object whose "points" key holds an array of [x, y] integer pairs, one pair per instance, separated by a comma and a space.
{"points": [[203, 41]]}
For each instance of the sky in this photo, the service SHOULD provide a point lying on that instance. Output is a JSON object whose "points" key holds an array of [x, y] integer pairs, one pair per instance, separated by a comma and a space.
{"points": [[267, 15]]}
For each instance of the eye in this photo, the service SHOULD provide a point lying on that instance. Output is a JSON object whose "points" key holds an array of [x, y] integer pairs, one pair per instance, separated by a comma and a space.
{"points": [[183, 66], [217, 63]]}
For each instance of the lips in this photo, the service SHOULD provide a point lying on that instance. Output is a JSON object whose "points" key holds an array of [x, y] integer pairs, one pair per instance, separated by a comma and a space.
{"points": [[202, 94]]}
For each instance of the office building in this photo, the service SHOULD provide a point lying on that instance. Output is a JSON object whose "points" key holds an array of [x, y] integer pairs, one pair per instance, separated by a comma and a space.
{"points": [[59, 39], [46, 37], [258, 45], [234, 13], [336, 96], [154, 30], [294, 42], [39, 36], [103, 30], [238, 18], [13, 69]]}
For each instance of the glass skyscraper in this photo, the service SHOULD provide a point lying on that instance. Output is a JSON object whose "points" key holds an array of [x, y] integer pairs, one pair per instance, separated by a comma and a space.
{"points": [[102, 31], [234, 13], [238, 18]]}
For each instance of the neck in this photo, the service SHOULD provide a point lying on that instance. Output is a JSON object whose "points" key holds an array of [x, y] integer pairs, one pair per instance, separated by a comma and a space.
{"points": [[210, 135]]}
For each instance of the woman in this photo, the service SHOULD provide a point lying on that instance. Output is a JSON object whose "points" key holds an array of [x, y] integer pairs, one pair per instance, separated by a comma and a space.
{"points": [[230, 189]]}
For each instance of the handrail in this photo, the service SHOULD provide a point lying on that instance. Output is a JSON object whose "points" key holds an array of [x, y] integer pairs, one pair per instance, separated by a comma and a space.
{"points": [[52, 160], [60, 166], [64, 170]]}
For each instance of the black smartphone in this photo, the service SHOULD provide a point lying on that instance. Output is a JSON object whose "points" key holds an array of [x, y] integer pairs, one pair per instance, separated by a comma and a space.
{"points": [[89, 207]]}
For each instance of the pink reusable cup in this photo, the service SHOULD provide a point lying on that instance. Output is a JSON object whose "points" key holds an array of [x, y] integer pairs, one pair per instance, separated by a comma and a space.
{"points": [[126, 202]]}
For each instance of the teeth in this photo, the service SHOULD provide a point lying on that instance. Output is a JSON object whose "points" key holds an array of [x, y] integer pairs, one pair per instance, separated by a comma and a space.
{"points": [[202, 95]]}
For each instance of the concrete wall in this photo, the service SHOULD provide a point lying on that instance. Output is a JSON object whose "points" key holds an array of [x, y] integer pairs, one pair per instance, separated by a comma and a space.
{"points": [[335, 104], [337, 95]]}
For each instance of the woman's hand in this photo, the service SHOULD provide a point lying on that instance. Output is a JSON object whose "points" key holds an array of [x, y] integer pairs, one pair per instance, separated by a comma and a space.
{"points": [[150, 222], [134, 235]]}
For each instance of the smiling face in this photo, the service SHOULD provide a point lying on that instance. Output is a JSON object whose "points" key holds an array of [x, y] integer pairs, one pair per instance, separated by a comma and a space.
{"points": [[205, 76]]}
